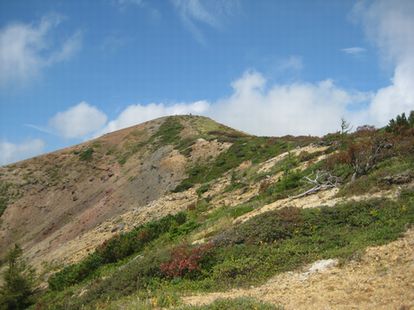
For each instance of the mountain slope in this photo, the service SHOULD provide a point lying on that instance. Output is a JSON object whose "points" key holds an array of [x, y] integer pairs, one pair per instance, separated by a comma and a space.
{"points": [[54, 198], [184, 204]]}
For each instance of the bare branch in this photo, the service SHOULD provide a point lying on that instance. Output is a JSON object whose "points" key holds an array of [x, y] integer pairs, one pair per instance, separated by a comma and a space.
{"points": [[323, 180]]}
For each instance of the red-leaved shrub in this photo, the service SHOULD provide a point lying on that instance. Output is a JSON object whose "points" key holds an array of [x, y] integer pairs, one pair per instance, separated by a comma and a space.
{"points": [[185, 259]]}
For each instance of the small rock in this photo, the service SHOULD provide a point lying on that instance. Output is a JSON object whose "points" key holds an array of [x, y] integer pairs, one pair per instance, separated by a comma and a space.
{"points": [[322, 265]]}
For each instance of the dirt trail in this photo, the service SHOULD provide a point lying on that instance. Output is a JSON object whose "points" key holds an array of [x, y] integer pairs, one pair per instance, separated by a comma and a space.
{"points": [[383, 278]]}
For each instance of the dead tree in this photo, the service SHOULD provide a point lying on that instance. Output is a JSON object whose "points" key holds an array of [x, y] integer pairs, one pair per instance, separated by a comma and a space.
{"points": [[364, 157], [323, 180]]}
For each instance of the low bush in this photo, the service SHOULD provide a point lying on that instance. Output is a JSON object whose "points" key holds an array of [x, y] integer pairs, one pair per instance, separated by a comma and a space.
{"points": [[186, 261], [284, 239], [274, 226], [250, 253], [120, 247], [286, 186], [134, 276], [202, 189]]}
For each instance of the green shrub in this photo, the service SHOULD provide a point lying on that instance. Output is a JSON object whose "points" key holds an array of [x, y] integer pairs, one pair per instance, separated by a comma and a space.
{"points": [[282, 240], [235, 270], [267, 244], [136, 275], [120, 247], [267, 227], [183, 229], [286, 186], [202, 189]]}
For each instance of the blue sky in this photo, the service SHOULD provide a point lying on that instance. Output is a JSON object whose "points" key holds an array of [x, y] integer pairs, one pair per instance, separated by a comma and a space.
{"points": [[72, 70]]}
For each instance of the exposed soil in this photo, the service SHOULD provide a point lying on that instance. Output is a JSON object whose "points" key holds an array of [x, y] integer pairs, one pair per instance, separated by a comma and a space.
{"points": [[64, 207]]}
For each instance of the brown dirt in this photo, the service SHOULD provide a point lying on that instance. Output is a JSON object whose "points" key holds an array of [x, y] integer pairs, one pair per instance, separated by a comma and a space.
{"points": [[61, 201], [204, 150], [383, 278], [75, 249]]}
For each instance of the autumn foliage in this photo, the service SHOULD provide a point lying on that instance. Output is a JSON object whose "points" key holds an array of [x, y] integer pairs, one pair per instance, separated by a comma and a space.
{"points": [[186, 260]]}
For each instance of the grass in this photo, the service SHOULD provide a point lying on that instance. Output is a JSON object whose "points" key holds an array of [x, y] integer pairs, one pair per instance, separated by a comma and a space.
{"points": [[250, 253], [256, 149], [169, 131], [129, 149], [87, 154]]}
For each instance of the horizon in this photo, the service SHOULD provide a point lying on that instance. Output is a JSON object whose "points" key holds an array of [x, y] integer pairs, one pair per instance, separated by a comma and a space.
{"points": [[268, 68]]}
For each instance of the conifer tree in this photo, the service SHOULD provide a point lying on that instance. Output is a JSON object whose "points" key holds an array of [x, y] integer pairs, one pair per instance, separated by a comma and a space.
{"points": [[18, 282]]}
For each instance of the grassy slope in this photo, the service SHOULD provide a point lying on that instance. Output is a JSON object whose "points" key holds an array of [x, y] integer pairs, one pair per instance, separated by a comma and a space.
{"points": [[243, 255]]}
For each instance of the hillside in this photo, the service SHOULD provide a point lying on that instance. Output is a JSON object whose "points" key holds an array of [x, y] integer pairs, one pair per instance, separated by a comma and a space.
{"points": [[181, 211]]}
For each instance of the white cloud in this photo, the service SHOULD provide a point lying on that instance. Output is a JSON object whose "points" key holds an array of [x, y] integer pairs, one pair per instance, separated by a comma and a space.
{"points": [[298, 108], [390, 26], [137, 113], [10, 152], [78, 121], [25, 49], [355, 50], [211, 13]]}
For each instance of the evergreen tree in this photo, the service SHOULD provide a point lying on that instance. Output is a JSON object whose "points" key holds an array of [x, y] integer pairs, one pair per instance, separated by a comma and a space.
{"points": [[411, 119], [18, 282], [401, 123]]}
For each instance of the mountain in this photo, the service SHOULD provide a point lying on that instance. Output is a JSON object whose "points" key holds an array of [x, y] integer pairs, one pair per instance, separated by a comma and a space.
{"points": [[56, 198], [151, 215]]}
